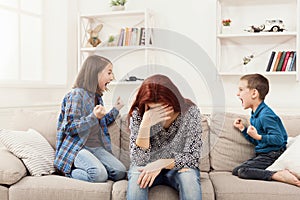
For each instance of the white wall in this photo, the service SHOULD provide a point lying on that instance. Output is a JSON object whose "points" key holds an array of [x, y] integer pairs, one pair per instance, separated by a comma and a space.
{"points": [[60, 54], [194, 19], [197, 20]]}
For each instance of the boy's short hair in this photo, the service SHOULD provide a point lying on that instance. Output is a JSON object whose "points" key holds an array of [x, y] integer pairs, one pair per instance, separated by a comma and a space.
{"points": [[258, 82]]}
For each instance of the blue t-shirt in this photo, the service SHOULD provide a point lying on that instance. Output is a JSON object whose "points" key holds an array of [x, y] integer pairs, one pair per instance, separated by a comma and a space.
{"points": [[270, 127]]}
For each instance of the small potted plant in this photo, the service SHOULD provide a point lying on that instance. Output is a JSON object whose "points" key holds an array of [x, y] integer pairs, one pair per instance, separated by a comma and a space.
{"points": [[111, 40], [226, 22], [226, 25], [118, 4]]}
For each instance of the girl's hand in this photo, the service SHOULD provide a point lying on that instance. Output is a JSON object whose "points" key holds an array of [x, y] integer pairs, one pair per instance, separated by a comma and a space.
{"points": [[155, 115], [238, 123], [119, 104], [99, 111]]}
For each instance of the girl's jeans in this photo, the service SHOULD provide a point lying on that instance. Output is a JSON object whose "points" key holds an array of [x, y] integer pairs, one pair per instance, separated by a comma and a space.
{"points": [[187, 183], [97, 165], [254, 168]]}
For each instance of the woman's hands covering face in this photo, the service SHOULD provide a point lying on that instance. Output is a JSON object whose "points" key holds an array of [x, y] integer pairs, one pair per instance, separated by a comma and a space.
{"points": [[155, 113]]}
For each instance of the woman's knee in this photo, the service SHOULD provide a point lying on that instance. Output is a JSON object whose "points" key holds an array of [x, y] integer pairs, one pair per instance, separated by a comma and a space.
{"points": [[133, 173], [189, 183], [97, 174], [188, 174], [133, 189]]}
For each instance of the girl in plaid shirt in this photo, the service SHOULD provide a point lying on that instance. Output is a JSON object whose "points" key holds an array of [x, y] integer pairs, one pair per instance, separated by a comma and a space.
{"points": [[83, 146]]}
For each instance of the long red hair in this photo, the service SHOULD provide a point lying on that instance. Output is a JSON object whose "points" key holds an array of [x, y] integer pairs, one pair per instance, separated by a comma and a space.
{"points": [[159, 89]]}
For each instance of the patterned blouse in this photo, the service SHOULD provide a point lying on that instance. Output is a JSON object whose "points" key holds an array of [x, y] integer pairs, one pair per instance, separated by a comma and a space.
{"points": [[181, 141]]}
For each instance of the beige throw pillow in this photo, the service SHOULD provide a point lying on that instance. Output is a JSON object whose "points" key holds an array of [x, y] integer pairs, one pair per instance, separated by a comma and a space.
{"points": [[11, 168], [290, 159], [32, 148]]}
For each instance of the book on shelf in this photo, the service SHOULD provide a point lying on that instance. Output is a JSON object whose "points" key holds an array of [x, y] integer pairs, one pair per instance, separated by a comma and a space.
{"points": [[270, 61], [289, 61], [134, 34], [286, 58], [293, 63], [277, 61], [280, 63], [121, 37], [142, 36], [128, 32]]}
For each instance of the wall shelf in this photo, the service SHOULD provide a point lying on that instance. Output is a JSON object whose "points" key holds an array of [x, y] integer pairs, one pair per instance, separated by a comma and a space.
{"points": [[236, 44]]}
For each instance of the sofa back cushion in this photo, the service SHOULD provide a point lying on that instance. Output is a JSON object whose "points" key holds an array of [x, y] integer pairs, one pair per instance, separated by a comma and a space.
{"points": [[291, 124], [125, 134], [228, 146], [45, 122], [114, 132], [125, 153]]}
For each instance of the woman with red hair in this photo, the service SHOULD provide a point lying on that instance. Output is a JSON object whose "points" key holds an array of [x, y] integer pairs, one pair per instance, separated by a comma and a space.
{"points": [[165, 141]]}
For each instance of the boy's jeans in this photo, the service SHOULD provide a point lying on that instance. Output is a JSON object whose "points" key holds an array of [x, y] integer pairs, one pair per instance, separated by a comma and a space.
{"points": [[187, 183], [97, 165], [254, 168]]}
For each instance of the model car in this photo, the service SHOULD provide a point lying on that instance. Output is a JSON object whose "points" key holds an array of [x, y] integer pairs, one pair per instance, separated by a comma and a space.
{"points": [[274, 25]]}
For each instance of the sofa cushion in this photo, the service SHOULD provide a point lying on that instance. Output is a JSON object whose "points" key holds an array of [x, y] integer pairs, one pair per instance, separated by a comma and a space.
{"points": [[3, 193], [204, 160], [228, 146], [290, 159], [164, 192], [125, 135], [291, 124], [11, 169], [32, 148], [158, 192], [229, 187], [114, 132], [45, 122], [57, 188]]}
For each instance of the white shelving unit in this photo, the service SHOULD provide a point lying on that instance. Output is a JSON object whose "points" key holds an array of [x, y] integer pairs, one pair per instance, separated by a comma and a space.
{"points": [[236, 44], [112, 23], [130, 60]]}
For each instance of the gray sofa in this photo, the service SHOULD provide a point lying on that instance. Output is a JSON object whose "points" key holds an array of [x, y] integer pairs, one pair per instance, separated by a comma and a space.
{"points": [[223, 149]]}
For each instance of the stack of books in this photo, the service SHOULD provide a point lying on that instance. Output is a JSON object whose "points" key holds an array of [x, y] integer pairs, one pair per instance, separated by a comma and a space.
{"points": [[131, 36], [282, 61]]}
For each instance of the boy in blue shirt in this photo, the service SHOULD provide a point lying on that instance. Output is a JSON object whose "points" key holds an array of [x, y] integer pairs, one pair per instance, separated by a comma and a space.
{"points": [[266, 132]]}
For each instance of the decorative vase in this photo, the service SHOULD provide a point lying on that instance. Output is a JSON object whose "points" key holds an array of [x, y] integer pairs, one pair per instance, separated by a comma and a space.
{"points": [[226, 29], [118, 8]]}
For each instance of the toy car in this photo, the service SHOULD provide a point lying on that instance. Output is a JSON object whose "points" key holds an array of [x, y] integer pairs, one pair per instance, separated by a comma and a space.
{"points": [[274, 25]]}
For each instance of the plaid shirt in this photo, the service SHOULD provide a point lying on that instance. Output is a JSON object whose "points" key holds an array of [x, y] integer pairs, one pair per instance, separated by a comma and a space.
{"points": [[75, 123]]}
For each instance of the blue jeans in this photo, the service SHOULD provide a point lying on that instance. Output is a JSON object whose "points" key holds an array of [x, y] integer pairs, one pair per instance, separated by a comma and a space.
{"points": [[254, 168], [97, 165], [186, 183]]}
